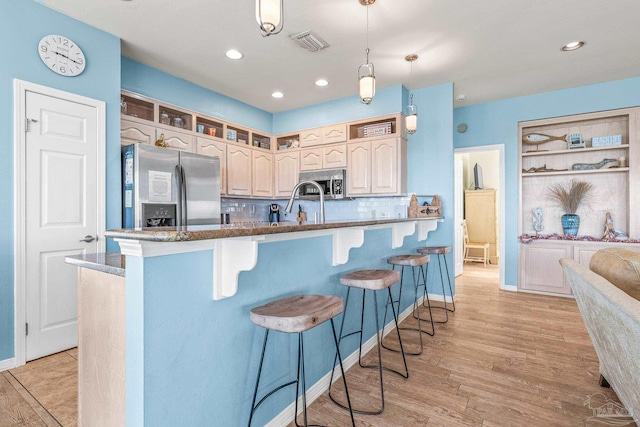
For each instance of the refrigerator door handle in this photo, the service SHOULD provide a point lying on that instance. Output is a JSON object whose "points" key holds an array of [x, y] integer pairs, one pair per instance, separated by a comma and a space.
{"points": [[179, 212], [185, 215]]}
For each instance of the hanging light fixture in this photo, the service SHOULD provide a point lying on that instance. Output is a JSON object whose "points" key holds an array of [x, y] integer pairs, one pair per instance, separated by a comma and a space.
{"points": [[366, 76], [411, 111], [270, 16]]}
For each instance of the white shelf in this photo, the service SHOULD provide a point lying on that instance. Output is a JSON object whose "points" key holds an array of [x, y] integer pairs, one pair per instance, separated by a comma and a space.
{"points": [[574, 150], [572, 172]]}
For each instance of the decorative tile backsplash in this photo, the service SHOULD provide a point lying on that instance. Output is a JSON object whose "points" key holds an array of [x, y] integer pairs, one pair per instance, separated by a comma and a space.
{"points": [[242, 210]]}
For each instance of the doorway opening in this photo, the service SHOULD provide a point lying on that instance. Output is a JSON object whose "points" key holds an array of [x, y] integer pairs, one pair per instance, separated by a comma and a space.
{"points": [[482, 208]]}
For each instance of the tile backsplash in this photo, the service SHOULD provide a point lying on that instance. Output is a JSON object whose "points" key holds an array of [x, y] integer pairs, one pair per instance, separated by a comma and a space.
{"points": [[242, 210]]}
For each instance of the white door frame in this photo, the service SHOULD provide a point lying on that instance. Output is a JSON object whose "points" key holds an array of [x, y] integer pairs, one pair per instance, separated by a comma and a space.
{"points": [[501, 214], [20, 88]]}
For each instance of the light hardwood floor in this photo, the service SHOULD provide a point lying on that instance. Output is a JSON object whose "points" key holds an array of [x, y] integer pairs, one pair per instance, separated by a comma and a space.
{"points": [[504, 359]]}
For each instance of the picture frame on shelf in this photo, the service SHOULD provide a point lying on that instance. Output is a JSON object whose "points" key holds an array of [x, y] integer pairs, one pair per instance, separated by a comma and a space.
{"points": [[232, 135], [575, 141]]}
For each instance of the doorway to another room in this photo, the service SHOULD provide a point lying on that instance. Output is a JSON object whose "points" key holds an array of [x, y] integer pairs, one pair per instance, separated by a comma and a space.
{"points": [[479, 198]]}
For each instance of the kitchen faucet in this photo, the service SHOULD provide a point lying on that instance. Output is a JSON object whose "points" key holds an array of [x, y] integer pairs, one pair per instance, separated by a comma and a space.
{"points": [[295, 190]]}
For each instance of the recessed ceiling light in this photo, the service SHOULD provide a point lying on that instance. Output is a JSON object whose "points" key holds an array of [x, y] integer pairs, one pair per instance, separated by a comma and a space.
{"points": [[321, 82], [277, 94], [573, 46], [234, 54]]}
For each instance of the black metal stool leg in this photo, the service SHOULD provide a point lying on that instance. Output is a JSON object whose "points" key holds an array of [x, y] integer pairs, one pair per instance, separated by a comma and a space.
{"points": [[453, 302], [359, 332], [255, 392], [416, 305], [344, 378]]}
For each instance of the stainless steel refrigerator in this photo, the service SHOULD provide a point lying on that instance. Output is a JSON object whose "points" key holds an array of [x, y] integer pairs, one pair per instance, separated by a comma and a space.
{"points": [[164, 187]]}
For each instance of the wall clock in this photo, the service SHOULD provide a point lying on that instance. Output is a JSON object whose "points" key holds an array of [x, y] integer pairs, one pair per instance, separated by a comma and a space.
{"points": [[61, 55]]}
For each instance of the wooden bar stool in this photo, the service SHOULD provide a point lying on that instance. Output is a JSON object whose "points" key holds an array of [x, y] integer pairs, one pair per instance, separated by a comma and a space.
{"points": [[297, 313], [370, 280], [416, 262], [440, 251]]}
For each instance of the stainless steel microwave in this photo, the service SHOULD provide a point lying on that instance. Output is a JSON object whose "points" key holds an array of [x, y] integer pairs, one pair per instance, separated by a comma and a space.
{"points": [[332, 182]]}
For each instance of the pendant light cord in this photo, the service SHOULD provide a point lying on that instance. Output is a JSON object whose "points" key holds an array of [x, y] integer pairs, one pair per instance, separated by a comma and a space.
{"points": [[367, 51], [411, 83]]}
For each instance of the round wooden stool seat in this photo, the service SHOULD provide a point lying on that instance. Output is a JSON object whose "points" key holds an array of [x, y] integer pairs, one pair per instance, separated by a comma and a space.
{"points": [[297, 313], [371, 279], [408, 260], [435, 250]]}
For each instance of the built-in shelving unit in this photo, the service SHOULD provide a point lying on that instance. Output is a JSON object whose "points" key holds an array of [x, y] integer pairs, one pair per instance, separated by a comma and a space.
{"points": [[614, 189]]}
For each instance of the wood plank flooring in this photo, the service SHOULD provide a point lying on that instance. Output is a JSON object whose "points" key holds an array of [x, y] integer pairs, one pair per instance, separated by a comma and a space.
{"points": [[504, 359]]}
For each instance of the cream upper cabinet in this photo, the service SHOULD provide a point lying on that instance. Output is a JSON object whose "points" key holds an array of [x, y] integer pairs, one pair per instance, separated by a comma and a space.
{"points": [[262, 184], [335, 133], [359, 168], [311, 159], [334, 156], [133, 132], [238, 171], [311, 137], [384, 166], [178, 140], [211, 148], [377, 167], [286, 171]]}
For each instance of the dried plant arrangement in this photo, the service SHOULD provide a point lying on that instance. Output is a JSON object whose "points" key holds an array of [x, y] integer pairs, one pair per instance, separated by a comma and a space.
{"points": [[570, 195]]}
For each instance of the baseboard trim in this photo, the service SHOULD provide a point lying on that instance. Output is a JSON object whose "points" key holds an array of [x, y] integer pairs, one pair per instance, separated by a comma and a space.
{"points": [[287, 415], [510, 288], [7, 364]]}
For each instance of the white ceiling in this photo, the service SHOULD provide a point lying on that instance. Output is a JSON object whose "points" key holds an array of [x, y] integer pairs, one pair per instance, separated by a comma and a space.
{"points": [[489, 49]]}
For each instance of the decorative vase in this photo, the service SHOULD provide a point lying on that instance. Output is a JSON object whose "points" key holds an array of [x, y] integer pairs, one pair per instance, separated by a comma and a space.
{"points": [[570, 224]]}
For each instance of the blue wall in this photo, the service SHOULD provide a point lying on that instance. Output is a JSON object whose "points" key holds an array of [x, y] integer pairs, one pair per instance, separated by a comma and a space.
{"points": [[497, 123], [386, 101], [22, 24], [154, 83]]}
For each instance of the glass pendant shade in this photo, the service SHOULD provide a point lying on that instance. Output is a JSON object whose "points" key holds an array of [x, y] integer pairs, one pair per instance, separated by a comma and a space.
{"points": [[269, 15], [366, 83], [411, 118]]}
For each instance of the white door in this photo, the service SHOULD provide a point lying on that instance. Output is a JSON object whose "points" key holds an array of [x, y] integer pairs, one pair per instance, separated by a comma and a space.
{"points": [[61, 199], [459, 237]]}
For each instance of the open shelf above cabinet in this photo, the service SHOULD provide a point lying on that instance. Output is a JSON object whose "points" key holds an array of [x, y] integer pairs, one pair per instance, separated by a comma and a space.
{"points": [[135, 107]]}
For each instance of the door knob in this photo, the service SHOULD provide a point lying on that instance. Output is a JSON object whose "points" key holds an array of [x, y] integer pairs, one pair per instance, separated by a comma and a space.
{"points": [[89, 238]]}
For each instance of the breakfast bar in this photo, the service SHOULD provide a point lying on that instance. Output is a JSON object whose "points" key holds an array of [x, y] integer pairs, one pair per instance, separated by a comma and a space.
{"points": [[178, 300]]}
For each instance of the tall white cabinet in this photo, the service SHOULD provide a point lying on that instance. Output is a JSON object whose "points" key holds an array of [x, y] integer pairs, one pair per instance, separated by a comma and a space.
{"points": [[615, 190]]}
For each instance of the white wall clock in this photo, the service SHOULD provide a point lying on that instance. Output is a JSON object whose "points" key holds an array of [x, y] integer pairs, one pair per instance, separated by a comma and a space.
{"points": [[61, 55]]}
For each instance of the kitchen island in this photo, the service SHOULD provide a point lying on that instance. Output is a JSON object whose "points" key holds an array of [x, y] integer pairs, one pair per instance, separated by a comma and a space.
{"points": [[191, 351]]}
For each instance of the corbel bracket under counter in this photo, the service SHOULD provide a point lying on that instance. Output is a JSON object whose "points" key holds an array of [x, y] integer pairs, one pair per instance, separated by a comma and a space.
{"points": [[231, 255]]}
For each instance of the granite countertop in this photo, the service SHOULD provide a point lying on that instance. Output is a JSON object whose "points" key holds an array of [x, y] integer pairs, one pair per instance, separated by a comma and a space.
{"points": [[205, 232], [110, 262]]}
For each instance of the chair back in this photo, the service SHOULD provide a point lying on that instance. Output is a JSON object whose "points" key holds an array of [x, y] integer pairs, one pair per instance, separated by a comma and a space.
{"points": [[465, 232]]}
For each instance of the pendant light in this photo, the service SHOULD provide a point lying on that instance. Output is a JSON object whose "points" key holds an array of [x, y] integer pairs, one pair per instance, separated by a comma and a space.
{"points": [[411, 111], [270, 16], [366, 76]]}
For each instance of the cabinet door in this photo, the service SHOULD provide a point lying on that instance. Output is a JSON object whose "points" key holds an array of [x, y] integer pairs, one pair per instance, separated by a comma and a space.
{"points": [[178, 140], [334, 156], [335, 133], [262, 184], [238, 171], [211, 148], [286, 170], [540, 270], [583, 253], [359, 168], [310, 137], [384, 166], [132, 132], [311, 159]]}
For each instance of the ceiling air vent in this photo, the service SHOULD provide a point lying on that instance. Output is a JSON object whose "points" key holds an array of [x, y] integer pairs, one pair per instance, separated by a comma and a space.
{"points": [[309, 41]]}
